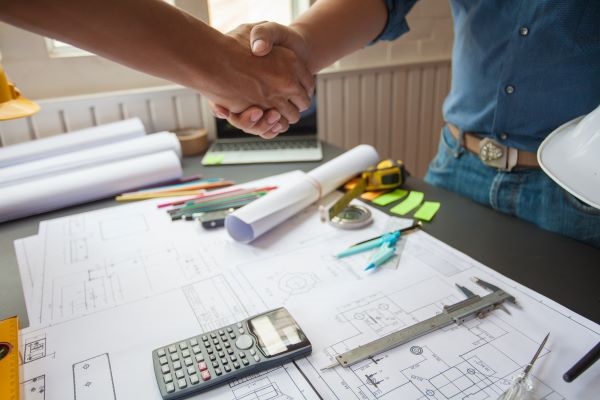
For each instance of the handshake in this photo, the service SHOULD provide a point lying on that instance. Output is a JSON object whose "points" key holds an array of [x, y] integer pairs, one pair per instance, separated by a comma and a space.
{"points": [[268, 80]]}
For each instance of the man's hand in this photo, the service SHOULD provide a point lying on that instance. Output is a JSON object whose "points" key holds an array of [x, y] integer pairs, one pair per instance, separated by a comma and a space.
{"points": [[262, 37]]}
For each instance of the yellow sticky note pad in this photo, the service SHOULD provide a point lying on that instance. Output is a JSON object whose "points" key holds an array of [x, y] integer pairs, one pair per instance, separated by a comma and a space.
{"points": [[427, 211], [213, 159], [388, 198], [411, 202]]}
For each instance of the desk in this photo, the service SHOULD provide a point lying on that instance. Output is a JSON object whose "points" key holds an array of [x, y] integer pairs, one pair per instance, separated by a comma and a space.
{"points": [[557, 267]]}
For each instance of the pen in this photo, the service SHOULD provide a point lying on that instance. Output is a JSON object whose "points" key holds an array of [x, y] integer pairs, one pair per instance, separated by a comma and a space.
{"points": [[586, 361]]}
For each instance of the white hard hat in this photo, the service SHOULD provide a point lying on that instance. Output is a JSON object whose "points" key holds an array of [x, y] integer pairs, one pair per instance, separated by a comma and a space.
{"points": [[571, 156]]}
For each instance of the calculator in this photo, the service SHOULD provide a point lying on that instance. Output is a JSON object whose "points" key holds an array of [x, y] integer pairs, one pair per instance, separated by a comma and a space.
{"points": [[212, 358]]}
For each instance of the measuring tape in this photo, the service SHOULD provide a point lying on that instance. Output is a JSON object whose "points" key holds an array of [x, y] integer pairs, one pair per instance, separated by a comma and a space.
{"points": [[9, 359], [387, 174]]}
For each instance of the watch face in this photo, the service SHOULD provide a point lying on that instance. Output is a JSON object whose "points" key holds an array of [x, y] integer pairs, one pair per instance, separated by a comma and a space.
{"points": [[277, 333]]}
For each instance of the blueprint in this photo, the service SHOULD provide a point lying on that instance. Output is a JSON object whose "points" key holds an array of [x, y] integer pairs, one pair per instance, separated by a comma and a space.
{"points": [[107, 287]]}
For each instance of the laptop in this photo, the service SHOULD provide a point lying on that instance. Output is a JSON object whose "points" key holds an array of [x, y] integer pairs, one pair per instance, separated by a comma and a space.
{"points": [[299, 143]]}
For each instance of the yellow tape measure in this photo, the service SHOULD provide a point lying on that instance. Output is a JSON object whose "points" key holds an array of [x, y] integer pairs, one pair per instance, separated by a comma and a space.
{"points": [[9, 359]]}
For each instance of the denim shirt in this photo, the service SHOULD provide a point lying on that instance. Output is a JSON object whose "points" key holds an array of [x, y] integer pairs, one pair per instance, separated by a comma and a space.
{"points": [[520, 68]]}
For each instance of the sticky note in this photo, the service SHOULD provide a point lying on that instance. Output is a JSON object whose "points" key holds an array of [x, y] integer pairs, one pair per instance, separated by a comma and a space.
{"points": [[412, 201], [427, 211], [213, 159], [388, 198]]}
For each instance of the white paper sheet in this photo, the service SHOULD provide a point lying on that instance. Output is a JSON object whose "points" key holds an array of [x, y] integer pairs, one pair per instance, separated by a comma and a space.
{"points": [[75, 187], [123, 281], [72, 141], [248, 223], [122, 150]]}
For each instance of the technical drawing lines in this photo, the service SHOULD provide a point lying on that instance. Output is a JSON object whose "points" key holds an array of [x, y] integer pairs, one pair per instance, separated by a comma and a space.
{"points": [[35, 388], [92, 379]]}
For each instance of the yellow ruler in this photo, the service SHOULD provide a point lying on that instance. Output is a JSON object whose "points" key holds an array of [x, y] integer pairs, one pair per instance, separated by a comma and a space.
{"points": [[9, 359]]}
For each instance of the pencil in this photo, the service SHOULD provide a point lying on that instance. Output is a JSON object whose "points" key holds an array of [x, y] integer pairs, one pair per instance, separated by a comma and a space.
{"points": [[580, 366]]}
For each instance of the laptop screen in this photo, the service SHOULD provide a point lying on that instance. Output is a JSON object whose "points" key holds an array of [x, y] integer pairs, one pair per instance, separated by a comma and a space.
{"points": [[307, 125]]}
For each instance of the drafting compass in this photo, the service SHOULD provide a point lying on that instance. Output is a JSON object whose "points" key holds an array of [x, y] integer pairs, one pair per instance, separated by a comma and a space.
{"points": [[473, 306]]}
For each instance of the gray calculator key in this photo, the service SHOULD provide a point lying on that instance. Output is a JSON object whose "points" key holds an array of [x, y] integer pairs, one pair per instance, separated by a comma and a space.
{"points": [[221, 332], [241, 331], [182, 383], [183, 345], [232, 335], [245, 361], [224, 361], [161, 353], [236, 365], [172, 349], [194, 342], [177, 365], [179, 374], [218, 347], [209, 351], [218, 371], [199, 357], [213, 335], [188, 361], [230, 351], [244, 342], [227, 368], [221, 354], [170, 388], [185, 353], [196, 349], [191, 370], [168, 378], [212, 357], [233, 357], [165, 369], [194, 379], [163, 360], [174, 357], [242, 354], [256, 358], [215, 364], [252, 352], [227, 345], [204, 338], [229, 329]]}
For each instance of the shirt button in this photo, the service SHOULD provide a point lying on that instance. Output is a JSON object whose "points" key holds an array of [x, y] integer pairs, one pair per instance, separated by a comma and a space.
{"points": [[523, 31], [509, 89], [503, 136]]}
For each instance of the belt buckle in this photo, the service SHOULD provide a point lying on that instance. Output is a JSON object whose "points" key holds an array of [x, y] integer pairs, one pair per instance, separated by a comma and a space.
{"points": [[494, 154]]}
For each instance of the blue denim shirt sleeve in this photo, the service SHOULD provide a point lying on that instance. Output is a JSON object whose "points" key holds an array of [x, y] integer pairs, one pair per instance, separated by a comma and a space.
{"points": [[396, 24]]}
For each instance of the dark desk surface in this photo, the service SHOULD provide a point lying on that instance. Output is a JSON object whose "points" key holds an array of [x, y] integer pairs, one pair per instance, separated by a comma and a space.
{"points": [[562, 269]]}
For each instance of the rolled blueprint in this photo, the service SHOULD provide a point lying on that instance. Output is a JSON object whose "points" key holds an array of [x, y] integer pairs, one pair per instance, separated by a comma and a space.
{"points": [[121, 150], [81, 185], [72, 141], [300, 191]]}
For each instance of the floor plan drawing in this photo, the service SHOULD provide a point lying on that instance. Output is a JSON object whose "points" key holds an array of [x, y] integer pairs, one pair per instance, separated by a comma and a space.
{"points": [[34, 388], [92, 379]]}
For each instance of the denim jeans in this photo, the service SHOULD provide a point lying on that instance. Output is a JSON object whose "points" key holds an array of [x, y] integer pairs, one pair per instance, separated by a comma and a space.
{"points": [[528, 194]]}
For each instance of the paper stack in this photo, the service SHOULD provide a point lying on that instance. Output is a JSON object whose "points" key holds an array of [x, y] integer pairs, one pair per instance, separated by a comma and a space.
{"points": [[90, 164]]}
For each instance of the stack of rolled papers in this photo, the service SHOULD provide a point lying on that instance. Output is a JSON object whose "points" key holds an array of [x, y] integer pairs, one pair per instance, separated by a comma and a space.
{"points": [[301, 190], [90, 164]]}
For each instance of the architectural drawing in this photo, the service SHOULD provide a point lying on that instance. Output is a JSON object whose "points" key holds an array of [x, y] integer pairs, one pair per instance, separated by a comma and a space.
{"points": [[34, 388], [92, 379]]}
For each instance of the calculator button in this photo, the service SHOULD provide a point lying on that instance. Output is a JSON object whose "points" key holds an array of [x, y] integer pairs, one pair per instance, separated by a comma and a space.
{"points": [[218, 347], [213, 335], [227, 345], [221, 354], [183, 345], [188, 362], [172, 349], [245, 361], [205, 375], [224, 338], [244, 342], [227, 368], [191, 370], [256, 358], [215, 364], [161, 353], [185, 353], [199, 357], [174, 357], [194, 379], [179, 374], [204, 338], [218, 371], [232, 335], [212, 357], [239, 324], [221, 332], [242, 354], [177, 365], [233, 357], [230, 351], [229, 329], [216, 341], [170, 388], [224, 361], [182, 383], [202, 366], [165, 369], [209, 351], [207, 344], [241, 331], [194, 342], [252, 352], [163, 360], [236, 365], [196, 349], [168, 378]]}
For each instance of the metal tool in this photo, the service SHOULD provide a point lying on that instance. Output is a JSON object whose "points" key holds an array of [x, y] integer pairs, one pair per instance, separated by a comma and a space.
{"points": [[521, 383], [387, 174], [473, 306]]}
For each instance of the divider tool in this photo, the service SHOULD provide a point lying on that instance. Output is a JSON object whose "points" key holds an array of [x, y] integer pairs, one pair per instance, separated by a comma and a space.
{"points": [[473, 306]]}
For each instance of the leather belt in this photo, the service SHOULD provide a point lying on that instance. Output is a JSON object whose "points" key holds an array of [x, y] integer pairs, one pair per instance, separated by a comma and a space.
{"points": [[495, 154]]}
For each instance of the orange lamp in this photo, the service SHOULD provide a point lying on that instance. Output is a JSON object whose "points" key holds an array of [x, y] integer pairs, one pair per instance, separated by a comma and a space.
{"points": [[12, 104]]}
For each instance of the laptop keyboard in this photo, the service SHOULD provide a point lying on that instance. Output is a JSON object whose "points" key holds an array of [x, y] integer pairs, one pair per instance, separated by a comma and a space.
{"points": [[264, 145]]}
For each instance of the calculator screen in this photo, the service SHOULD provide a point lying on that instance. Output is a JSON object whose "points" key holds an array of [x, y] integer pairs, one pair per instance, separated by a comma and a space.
{"points": [[277, 332]]}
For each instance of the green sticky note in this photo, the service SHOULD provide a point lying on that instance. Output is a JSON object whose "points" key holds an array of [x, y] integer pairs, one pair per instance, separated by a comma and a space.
{"points": [[427, 211], [388, 198], [213, 159], [411, 202]]}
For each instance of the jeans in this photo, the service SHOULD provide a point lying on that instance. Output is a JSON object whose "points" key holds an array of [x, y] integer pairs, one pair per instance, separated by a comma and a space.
{"points": [[528, 194]]}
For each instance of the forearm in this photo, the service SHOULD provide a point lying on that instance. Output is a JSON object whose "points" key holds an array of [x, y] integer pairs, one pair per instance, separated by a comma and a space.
{"points": [[160, 39], [335, 28]]}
